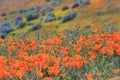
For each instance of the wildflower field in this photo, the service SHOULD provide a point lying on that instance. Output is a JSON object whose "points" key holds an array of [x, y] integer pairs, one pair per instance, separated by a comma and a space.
{"points": [[71, 55], [59, 39]]}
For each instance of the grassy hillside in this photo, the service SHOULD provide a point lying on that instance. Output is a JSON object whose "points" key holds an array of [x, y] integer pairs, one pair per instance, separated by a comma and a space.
{"points": [[98, 12], [59, 40]]}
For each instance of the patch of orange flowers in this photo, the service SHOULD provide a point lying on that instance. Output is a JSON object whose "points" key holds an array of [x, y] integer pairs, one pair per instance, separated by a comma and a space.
{"points": [[48, 56]]}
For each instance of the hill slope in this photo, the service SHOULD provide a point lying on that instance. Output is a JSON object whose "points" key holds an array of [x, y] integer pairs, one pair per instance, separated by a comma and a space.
{"points": [[50, 15]]}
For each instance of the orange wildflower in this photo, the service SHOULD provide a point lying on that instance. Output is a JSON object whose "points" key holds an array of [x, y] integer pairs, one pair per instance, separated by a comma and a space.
{"points": [[2, 42], [111, 79], [97, 46], [19, 74], [33, 46], [76, 64], [118, 51], [116, 46], [116, 71], [10, 40], [110, 52], [103, 50], [77, 48], [66, 64], [50, 48], [87, 42], [50, 41], [89, 76], [65, 51], [92, 55], [39, 73], [98, 74], [110, 43], [43, 42], [53, 70], [44, 48], [23, 55], [3, 71], [97, 38], [56, 72], [81, 39], [47, 78], [57, 41], [27, 48]]}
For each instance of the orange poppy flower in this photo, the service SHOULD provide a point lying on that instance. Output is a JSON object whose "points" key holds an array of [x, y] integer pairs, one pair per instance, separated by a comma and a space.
{"points": [[39, 73], [110, 52], [110, 43], [89, 76], [77, 48], [98, 74], [19, 74], [111, 79], [47, 78], [116, 71], [65, 51], [10, 40], [103, 50], [2, 42], [92, 55], [87, 42], [56, 72], [118, 51], [97, 47], [50, 48], [66, 64]]}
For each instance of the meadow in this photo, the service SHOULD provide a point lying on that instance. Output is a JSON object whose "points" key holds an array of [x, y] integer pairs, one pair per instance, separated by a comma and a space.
{"points": [[72, 55], [52, 41]]}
